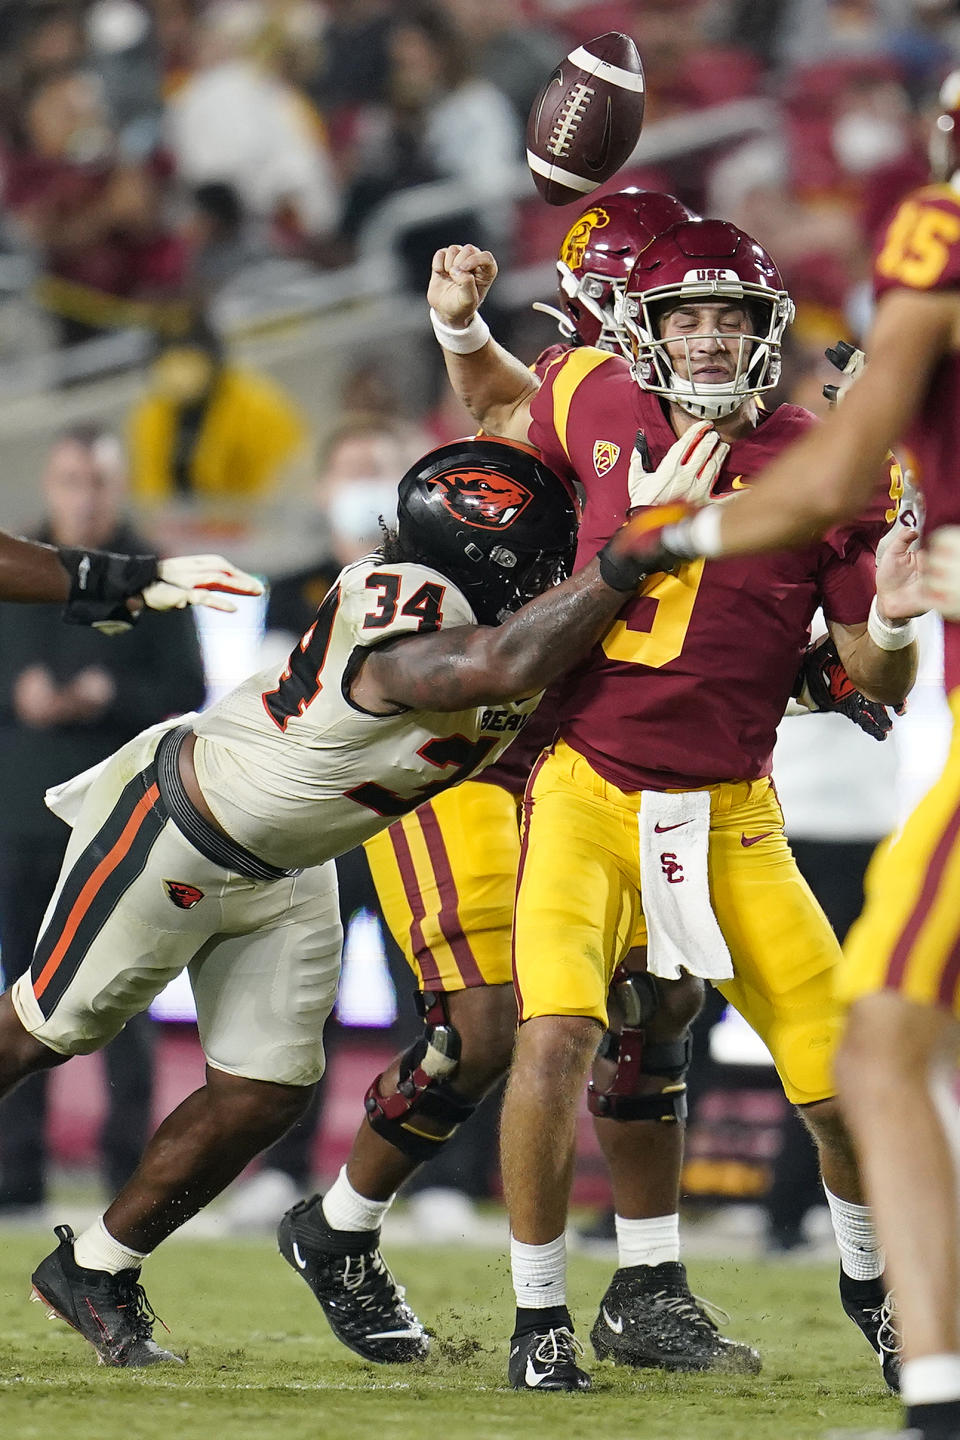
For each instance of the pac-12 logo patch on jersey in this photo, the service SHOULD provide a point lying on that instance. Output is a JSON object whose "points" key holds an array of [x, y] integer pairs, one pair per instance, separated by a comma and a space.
{"points": [[605, 456], [183, 896], [483, 497]]}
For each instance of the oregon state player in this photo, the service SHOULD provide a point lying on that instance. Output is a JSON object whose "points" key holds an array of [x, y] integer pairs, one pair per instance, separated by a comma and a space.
{"points": [[901, 964], [683, 695], [188, 844]]}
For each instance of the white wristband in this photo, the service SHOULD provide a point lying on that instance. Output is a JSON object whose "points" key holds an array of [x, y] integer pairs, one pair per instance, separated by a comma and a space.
{"points": [[700, 535], [887, 636], [461, 342]]}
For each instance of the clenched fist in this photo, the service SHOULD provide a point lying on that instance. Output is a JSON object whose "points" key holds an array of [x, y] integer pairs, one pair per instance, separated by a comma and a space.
{"points": [[461, 276]]}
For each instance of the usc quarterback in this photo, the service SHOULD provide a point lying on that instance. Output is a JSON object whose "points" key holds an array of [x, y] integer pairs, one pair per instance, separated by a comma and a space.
{"points": [[668, 726]]}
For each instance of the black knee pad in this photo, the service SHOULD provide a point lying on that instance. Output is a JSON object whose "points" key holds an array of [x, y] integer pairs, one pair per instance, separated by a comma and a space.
{"points": [[637, 994], [424, 1090], [623, 1099]]}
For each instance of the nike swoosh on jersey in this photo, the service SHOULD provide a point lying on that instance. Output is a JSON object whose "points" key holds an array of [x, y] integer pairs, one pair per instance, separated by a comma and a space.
{"points": [[746, 840], [534, 1377], [298, 1257], [659, 829], [617, 1325], [737, 483]]}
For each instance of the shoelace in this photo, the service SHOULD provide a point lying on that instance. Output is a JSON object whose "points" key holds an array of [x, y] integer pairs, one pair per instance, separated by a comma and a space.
{"points": [[139, 1313], [888, 1336], [692, 1308], [558, 1345], [384, 1293]]}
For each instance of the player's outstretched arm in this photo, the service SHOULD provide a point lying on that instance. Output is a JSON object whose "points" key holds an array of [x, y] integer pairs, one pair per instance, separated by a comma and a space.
{"points": [[31, 573], [494, 385], [478, 665], [829, 476], [107, 590]]}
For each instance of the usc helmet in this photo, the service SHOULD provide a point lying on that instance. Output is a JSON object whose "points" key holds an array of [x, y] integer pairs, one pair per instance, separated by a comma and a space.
{"points": [[595, 259], [699, 262], [493, 518]]}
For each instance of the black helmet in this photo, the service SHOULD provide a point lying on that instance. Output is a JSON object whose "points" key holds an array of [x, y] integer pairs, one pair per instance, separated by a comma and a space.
{"points": [[493, 518]]}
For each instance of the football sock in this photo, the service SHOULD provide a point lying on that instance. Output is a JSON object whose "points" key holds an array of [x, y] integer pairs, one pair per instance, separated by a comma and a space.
{"points": [[345, 1209], [931, 1380], [647, 1242], [860, 1256], [96, 1249], [549, 1317], [939, 1421], [539, 1273]]}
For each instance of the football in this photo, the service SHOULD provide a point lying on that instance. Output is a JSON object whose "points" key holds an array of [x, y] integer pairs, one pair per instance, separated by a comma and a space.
{"points": [[587, 119]]}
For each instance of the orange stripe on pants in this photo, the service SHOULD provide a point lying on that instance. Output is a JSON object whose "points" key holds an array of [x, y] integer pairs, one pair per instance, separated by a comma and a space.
{"points": [[84, 900]]}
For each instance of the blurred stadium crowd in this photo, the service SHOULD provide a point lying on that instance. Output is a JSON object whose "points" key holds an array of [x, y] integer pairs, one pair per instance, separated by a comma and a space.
{"points": [[216, 224]]}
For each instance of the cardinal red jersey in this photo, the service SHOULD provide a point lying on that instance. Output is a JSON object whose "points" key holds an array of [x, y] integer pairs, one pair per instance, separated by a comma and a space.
{"points": [[688, 685], [920, 250]]}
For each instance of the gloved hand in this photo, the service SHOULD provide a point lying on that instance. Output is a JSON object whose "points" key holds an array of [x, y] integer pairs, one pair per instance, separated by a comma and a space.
{"points": [[850, 362], [941, 571], [686, 472], [198, 580], [824, 686], [653, 540]]}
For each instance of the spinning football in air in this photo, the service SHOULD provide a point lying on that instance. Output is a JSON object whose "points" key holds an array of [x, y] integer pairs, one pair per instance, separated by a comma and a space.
{"points": [[587, 119]]}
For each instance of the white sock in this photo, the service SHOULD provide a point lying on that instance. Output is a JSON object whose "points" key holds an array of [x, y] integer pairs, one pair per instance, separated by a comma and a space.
{"points": [[930, 1380], [345, 1209], [539, 1273], [647, 1242], [96, 1249], [860, 1256]]}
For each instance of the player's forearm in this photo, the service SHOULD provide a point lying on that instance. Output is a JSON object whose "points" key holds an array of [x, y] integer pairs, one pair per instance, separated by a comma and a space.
{"points": [[484, 666], [31, 573], [495, 387], [884, 675]]}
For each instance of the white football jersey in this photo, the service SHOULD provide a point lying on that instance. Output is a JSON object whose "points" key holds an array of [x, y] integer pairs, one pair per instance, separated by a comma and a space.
{"points": [[297, 773]]}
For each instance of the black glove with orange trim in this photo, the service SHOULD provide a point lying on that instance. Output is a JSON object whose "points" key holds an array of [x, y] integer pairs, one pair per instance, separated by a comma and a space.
{"points": [[652, 540], [823, 686]]}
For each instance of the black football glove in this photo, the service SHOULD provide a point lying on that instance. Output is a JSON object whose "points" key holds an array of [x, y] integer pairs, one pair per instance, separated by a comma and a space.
{"points": [[823, 685], [652, 541], [849, 361], [101, 583]]}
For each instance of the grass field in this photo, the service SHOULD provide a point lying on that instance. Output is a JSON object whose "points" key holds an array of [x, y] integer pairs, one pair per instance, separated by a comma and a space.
{"points": [[263, 1365]]}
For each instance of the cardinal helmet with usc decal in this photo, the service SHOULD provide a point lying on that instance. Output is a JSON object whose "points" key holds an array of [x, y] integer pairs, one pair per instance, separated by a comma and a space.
{"points": [[493, 518], [695, 264], [596, 256]]}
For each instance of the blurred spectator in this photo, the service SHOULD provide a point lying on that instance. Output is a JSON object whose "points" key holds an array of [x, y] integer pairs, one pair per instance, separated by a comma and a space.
{"points": [[510, 52], [218, 238], [69, 697], [122, 48], [355, 57], [234, 122], [359, 467], [207, 429], [93, 218], [442, 122]]}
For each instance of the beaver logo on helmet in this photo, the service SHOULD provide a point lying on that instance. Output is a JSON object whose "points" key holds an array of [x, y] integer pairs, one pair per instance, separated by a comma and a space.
{"points": [[485, 498]]}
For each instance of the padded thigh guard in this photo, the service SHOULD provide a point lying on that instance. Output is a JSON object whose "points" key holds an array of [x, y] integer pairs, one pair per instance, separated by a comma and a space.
{"points": [[423, 1090], [622, 1098]]}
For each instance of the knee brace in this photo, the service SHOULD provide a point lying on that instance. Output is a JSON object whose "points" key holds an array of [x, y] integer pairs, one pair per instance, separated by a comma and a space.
{"points": [[622, 1099], [423, 1090]]}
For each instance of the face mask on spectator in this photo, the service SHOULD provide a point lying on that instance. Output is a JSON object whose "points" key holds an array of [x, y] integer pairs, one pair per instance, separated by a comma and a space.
{"points": [[863, 141], [354, 510]]}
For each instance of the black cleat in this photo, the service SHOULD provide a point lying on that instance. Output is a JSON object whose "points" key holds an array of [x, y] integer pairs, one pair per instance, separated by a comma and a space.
{"points": [[547, 1360], [649, 1319], [870, 1306], [111, 1311], [346, 1272]]}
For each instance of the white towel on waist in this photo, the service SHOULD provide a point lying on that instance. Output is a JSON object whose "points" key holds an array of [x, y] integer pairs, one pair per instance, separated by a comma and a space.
{"points": [[682, 930], [66, 798]]}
